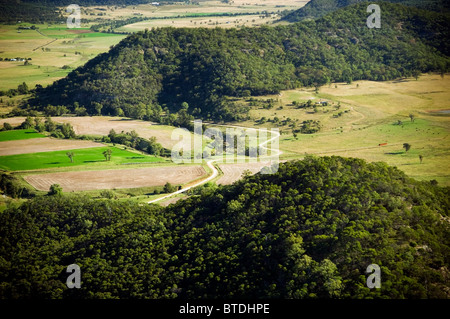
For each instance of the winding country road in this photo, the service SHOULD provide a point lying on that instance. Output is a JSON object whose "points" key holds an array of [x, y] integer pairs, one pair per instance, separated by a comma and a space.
{"points": [[215, 172]]}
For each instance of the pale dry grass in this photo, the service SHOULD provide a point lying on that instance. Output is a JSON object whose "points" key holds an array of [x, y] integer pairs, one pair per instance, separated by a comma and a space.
{"points": [[102, 125]]}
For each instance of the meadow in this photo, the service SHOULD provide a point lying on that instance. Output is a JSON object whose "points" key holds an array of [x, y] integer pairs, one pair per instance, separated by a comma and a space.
{"points": [[374, 110], [50, 48], [15, 135], [87, 157]]}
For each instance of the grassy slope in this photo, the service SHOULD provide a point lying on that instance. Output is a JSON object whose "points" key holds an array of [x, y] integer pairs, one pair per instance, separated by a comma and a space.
{"points": [[15, 135], [88, 156], [374, 109]]}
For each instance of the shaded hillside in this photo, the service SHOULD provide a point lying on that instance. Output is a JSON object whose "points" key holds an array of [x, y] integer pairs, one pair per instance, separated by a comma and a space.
{"points": [[165, 67], [308, 231], [318, 8]]}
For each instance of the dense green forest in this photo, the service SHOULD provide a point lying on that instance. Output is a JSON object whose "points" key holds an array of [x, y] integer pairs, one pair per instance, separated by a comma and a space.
{"points": [[318, 8], [308, 231], [12, 12], [164, 67]]}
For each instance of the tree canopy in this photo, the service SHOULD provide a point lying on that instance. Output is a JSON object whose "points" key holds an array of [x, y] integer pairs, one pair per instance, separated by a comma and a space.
{"points": [[318, 8], [308, 231], [151, 73]]}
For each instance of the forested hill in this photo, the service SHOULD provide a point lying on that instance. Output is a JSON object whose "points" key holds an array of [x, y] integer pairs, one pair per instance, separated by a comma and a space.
{"points": [[308, 231], [318, 8], [169, 66]]}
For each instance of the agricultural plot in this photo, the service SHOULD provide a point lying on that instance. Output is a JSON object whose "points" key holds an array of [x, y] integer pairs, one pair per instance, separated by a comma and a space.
{"points": [[50, 48], [123, 178], [101, 126], [87, 156], [14, 135], [37, 145], [206, 22]]}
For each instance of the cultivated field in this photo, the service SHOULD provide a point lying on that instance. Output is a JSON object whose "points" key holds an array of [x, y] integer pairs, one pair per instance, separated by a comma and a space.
{"points": [[110, 179], [92, 156], [49, 48], [14, 135], [101, 125], [45, 144], [207, 22]]}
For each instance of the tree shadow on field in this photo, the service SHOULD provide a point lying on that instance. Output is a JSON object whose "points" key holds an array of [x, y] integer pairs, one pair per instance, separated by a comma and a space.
{"points": [[394, 153]]}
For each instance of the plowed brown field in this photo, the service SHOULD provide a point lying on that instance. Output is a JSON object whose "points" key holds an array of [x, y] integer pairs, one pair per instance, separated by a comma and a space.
{"points": [[45, 144], [118, 178]]}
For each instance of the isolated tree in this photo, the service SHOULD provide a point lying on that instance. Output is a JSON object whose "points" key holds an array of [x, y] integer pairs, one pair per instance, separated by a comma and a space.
{"points": [[420, 158], [412, 117], [50, 126], [7, 126], [107, 194], [107, 154], [55, 189], [39, 126], [406, 146], [169, 188], [67, 131], [185, 105], [22, 88], [70, 156], [28, 123]]}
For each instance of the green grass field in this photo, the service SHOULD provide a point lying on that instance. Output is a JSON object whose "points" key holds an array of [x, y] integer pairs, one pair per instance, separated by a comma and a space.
{"points": [[87, 156], [50, 48], [15, 135], [373, 111]]}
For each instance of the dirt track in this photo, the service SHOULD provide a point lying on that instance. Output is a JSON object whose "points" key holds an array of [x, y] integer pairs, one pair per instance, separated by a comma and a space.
{"points": [[123, 178]]}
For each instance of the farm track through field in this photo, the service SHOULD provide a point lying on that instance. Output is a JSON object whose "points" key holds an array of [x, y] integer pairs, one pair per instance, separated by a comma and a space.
{"points": [[44, 45], [211, 162]]}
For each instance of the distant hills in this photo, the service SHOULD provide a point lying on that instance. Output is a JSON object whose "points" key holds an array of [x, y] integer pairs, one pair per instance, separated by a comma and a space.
{"points": [[149, 71], [318, 8], [43, 11]]}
